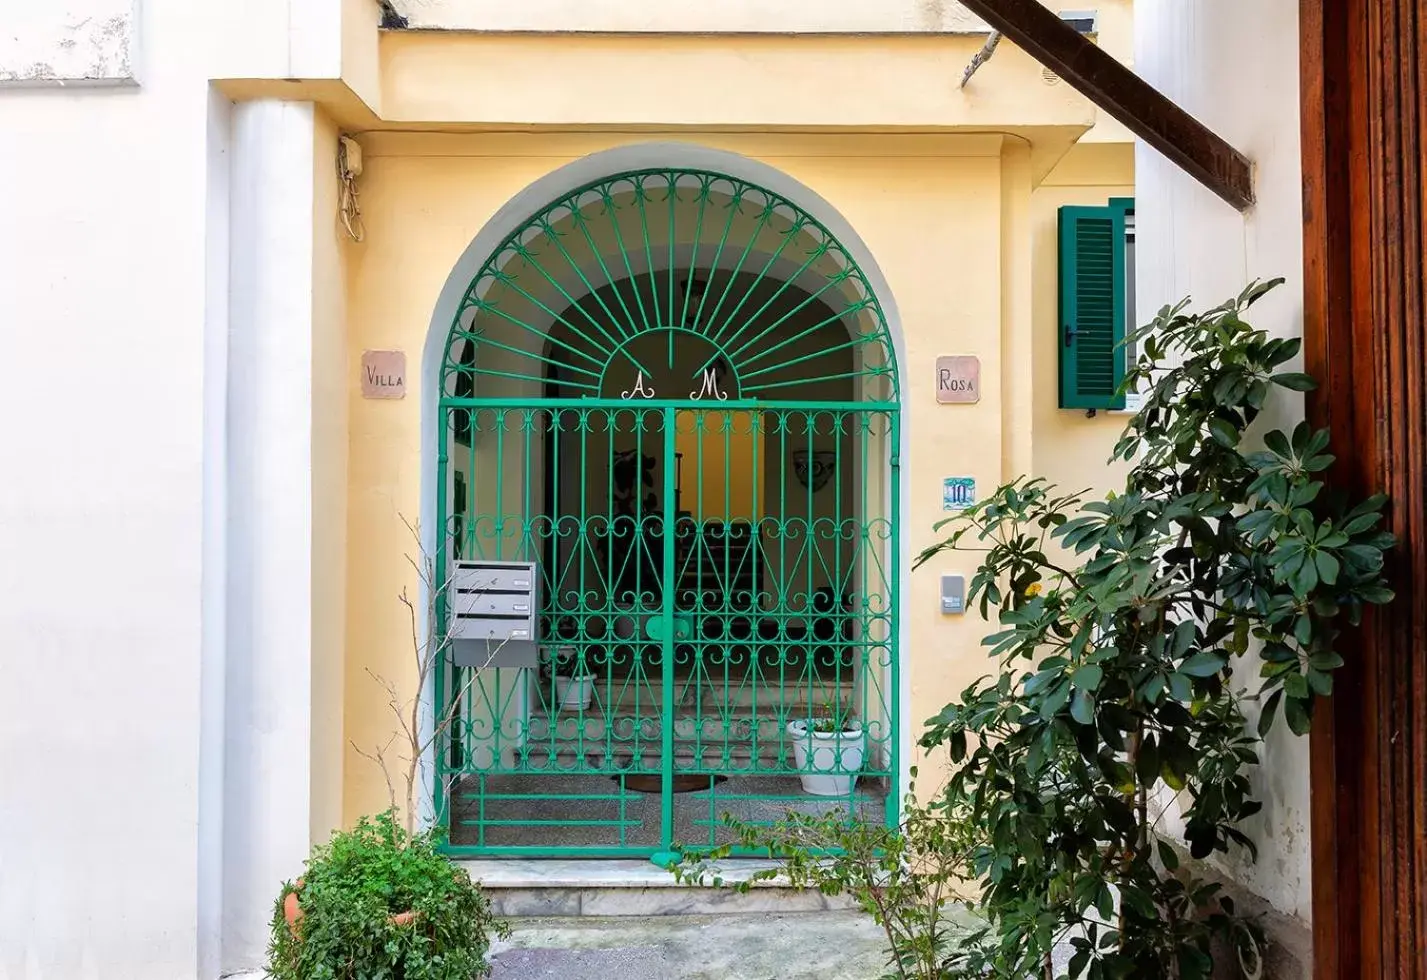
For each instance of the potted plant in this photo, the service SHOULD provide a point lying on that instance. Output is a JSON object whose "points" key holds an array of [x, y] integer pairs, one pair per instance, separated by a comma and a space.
{"points": [[828, 749], [377, 901], [574, 681], [381, 899]]}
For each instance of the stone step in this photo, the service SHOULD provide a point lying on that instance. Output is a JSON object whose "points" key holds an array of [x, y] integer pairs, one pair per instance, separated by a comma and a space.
{"points": [[740, 757], [528, 887], [693, 748], [734, 729]]}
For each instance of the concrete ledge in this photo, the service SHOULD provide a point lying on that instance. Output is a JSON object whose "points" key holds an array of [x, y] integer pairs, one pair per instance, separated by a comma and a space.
{"points": [[498, 873], [726, 16], [618, 902]]}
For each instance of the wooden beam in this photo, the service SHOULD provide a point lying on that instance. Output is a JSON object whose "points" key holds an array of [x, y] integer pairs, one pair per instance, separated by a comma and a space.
{"points": [[1364, 80], [1187, 142], [1340, 746]]}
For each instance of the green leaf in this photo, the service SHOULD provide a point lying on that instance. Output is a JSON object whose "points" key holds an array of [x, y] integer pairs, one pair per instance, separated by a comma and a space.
{"points": [[1296, 711], [1055, 700], [1270, 710], [1304, 578], [1182, 638], [1321, 683], [1327, 567], [1295, 381], [1104, 901], [1153, 687], [1223, 432], [1204, 664], [1241, 635], [1378, 595], [1181, 688], [1082, 707], [1295, 685], [1167, 856], [1088, 677], [1277, 443], [1147, 760]]}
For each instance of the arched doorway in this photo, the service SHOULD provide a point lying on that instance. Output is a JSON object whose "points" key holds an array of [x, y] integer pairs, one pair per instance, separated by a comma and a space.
{"points": [[673, 393]]}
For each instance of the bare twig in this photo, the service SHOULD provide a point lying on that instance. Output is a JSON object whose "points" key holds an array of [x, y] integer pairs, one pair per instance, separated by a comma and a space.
{"points": [[429, 636]]}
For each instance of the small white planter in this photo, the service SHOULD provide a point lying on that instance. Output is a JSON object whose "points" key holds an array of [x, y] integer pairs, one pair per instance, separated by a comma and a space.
{"points": [[828, 762], [574, 693]]}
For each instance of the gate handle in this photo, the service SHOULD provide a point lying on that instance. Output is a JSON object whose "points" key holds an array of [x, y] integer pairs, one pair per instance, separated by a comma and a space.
{"points": [[1070, 334]]}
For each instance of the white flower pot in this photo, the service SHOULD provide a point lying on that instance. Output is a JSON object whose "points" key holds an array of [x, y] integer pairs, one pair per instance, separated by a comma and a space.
{"points": [[828, 762], [574, 693]]}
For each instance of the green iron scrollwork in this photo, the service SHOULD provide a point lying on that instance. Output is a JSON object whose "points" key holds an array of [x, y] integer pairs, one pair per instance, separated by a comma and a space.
{"points": [[676, 393]]}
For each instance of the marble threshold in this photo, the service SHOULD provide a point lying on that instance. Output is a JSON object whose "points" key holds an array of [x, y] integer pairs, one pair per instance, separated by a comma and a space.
{"points": [[496, 873]]}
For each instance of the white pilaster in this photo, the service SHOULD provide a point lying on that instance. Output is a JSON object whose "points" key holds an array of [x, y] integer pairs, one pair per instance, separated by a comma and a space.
{"points": [[269, 675], [213, 735]]}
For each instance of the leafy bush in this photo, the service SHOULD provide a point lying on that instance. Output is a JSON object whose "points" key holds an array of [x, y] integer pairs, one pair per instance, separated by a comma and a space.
{"points": [[1123, 624], [378, 903]]}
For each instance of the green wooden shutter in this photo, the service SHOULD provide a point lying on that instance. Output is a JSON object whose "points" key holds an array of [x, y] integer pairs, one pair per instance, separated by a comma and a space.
{"points": [[1092, 306]]}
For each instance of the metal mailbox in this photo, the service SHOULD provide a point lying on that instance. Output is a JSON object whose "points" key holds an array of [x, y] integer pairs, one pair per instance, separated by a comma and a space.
{"points": [[494, 608]]}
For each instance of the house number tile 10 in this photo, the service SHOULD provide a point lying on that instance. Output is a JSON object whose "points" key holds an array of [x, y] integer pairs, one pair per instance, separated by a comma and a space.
{"points": [[958, 380]]}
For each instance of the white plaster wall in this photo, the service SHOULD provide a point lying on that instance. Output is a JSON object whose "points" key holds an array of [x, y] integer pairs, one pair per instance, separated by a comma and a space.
{"points": [[102, 311], [122, 736], [1234, 65], [61, 42]]}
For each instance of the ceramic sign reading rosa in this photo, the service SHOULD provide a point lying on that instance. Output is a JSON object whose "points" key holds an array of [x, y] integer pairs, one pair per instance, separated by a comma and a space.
{"points": [[958, 380]]}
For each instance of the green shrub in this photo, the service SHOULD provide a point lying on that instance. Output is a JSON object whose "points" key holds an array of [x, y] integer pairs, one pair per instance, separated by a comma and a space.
{"points": [[352, 899], [1130, 632]]}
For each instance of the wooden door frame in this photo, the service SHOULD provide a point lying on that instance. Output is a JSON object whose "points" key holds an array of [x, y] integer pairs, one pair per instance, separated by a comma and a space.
{"points": [[1364, 127]]}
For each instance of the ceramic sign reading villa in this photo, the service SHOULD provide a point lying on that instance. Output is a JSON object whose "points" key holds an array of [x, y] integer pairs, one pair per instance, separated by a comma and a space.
{"points": [[384, 374], [958, 380]]}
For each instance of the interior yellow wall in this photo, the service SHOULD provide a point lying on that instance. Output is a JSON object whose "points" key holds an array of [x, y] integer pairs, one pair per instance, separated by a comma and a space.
{"points": [[329, 485], [1069, 448], [932, 211], [724, 455]]}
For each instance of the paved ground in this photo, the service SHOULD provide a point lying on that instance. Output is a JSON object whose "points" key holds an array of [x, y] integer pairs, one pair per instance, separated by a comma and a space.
{"points": [[789, 946]]}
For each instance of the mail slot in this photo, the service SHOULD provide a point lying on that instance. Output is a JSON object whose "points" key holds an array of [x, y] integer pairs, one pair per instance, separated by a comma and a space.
{"points": [[494, 612], [488, 577], [501, 604]]}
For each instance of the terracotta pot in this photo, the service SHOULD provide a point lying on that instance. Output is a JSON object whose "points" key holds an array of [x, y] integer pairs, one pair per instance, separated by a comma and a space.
{"points": [[292, 911]]}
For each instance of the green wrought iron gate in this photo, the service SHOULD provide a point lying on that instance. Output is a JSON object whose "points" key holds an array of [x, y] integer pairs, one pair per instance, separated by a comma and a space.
{"points": [[674, 392]]}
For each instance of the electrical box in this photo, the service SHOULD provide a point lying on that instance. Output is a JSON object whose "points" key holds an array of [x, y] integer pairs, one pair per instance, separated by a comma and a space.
{"points": [[494, 608], [953, 594]]}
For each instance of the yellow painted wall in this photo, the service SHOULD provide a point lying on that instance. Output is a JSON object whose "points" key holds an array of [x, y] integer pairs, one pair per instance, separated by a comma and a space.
{"points": [[1069, 448], [330, 379], [722, 449], [956, 228]]}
